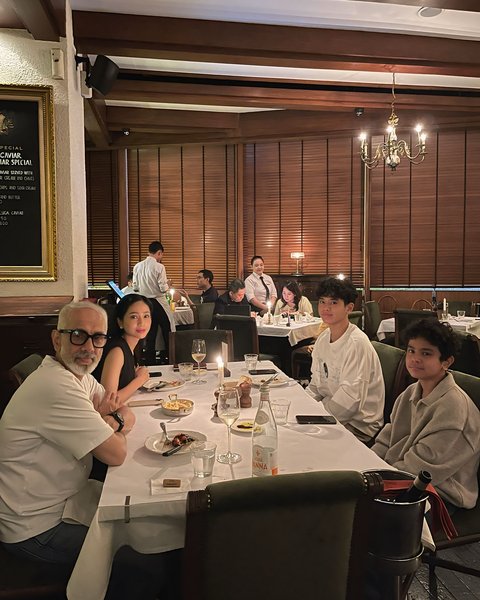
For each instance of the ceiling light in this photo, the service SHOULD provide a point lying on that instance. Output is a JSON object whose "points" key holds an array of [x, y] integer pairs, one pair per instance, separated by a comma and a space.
{"points": [[392, 149]]}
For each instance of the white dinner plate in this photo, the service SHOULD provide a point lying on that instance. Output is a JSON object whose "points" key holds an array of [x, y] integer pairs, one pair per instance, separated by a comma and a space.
{"points": [[154, 384], [280, 381], [245, 426], [156, 443]]}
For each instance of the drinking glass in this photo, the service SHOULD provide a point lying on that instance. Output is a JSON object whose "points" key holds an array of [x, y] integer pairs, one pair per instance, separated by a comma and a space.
{"points": [[185, 370], [203, 458], [228, 410], [199, 352], [250, 361], [460, 313]]}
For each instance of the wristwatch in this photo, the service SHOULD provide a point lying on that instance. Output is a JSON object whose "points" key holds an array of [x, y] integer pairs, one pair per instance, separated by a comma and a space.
{"points": [[119, 419]]}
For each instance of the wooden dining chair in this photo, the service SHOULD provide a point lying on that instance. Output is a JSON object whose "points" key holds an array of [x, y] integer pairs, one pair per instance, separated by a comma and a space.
{"points": [[422, 304], [203, 315], [279, 537], [388, 304]]}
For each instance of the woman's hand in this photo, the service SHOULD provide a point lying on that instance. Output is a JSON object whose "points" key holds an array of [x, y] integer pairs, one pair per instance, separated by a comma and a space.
{"points": [[142, 374], [106, 404]]}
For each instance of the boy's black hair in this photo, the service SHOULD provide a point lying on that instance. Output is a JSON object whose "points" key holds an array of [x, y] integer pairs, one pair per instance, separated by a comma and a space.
{"points": [[440, 335], [339, 289], [154, 247]]}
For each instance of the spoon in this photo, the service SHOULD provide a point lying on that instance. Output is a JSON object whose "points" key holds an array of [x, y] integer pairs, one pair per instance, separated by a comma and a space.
{"points": [[164, 429]]}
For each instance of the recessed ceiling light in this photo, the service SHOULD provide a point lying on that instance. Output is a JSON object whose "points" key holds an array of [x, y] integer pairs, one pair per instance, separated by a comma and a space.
{"points": [[428, 12]]}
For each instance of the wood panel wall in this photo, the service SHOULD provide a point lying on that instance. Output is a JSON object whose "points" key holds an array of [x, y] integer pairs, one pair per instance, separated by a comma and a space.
{"points": [[425, 219], [297, 195], [305, 196]]}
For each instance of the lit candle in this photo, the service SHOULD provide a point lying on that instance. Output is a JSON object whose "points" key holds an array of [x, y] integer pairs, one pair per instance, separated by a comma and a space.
{"points": [[220, 371], [269, 306], [444, 305]]}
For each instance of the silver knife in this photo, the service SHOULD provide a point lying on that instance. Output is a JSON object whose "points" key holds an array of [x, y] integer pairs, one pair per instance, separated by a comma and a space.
{"points": [[177, 448]]}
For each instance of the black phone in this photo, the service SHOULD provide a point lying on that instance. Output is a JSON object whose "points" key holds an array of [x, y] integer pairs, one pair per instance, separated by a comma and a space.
{"points": [[316, 419], [155, 373], [263, 372]]}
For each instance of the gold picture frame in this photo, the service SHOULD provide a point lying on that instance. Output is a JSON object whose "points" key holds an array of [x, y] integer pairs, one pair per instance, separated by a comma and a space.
{"points": [[27, 184]]}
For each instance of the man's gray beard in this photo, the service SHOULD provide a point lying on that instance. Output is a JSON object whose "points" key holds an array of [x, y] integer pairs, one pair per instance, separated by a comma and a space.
{"points": [[80, 370]]}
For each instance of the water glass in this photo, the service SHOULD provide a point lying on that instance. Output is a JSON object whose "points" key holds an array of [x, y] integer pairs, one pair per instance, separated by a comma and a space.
{"points": [[202, 454], [251, 361], [460, 313], [185, 370], [280, 408]]}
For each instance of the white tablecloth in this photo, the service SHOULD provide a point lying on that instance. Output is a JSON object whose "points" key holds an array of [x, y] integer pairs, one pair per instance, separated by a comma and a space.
{"points": [[158, 520], [469, 324], [295, 333], [183, 316]]}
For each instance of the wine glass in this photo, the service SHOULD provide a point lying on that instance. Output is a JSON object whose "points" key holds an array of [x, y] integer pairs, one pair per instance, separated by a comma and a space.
{"points": [[199, 352], [228, 410]]}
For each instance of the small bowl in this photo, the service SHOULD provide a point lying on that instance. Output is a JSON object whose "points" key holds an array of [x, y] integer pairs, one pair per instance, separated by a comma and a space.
{"points": [[177, 408]]}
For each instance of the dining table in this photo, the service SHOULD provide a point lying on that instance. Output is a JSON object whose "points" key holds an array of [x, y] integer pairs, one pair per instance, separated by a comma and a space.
{"points": [[294, 330], [136, 509], [468, 324]]}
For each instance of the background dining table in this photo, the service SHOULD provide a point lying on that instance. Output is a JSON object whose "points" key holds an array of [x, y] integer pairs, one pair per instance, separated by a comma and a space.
{"points": [[135, 509], [296, 332], [468, 324]]}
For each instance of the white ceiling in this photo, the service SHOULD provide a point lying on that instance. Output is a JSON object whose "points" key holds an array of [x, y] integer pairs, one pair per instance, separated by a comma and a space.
{"points": [[333, 14]]}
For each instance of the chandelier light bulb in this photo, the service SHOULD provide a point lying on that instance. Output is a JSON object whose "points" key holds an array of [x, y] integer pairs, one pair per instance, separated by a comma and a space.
{"points": [[392, 149]]}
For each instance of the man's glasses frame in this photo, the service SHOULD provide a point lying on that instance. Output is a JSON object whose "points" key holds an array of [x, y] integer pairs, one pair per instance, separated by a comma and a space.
{"points": [[79, 337]]}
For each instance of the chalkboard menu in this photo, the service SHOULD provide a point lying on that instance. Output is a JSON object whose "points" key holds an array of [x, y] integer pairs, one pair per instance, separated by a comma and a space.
{"points": [[27, 204]]}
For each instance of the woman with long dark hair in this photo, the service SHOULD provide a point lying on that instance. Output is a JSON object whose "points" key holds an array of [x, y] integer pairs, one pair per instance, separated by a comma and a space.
{"points": [[292, 301], [119, 370]]}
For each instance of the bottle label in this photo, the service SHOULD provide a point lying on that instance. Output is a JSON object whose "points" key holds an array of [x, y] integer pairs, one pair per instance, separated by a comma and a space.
{"points": [[261, 418], [264, 461]]}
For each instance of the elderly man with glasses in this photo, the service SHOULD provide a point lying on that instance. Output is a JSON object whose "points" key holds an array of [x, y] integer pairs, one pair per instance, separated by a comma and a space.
{"points": [[56, 421]]}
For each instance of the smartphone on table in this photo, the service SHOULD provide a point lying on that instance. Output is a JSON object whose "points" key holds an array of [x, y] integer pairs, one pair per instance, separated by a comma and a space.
{"points": [[262, 371], [316, 419]]}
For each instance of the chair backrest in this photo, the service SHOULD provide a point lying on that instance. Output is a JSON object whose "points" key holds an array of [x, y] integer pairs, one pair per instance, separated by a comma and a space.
{"points": [[454, 305], [388, 304], [355, 317], [203, 315], [373, 318], [306, 531], [405, 316], [181, 344], [422, 304], [392, 361], [19, 372], [468, 355], [244, 330]]}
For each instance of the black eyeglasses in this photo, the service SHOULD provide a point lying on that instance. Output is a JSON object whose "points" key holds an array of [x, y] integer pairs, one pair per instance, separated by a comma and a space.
{"points": [[78, 337]]}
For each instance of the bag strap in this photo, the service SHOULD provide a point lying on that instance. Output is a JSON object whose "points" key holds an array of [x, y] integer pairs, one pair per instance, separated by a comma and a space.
{"points": [[441, 520]]}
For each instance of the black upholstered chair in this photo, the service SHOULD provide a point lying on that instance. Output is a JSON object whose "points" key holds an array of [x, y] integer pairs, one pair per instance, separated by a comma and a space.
{"points": [[181, 344], [395, 375], [355, 317], [468, 355], [19, 372], [307, 536], [245, 336], [203, 315], [467, 522], [405, 316], [454, 305]]}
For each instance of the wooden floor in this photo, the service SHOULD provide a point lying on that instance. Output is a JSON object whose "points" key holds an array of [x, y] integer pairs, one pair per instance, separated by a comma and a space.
{"points": [[449, 584]]}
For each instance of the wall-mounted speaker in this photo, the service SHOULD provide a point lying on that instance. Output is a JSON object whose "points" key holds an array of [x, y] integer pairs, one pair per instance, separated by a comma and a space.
{"points": [[102, 75]]}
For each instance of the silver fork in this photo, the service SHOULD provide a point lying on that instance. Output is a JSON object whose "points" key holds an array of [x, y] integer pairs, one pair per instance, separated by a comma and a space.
{"points": [[164, 429]]}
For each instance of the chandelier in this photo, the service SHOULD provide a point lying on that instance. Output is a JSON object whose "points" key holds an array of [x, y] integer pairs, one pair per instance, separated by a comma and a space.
{"points": [[392, 149]]}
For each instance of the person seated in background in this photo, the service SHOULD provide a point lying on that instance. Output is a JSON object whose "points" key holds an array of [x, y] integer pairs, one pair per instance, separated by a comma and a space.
{"points": [[128, 289], [118, 370], [204, 283], [346, 371], [234, 295], [434, 424], [55, 422], [260, 288], [292, 301]]}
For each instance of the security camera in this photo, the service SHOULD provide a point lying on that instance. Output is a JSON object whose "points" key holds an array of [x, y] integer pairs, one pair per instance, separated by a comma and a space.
{"points": [[359, 111]]}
